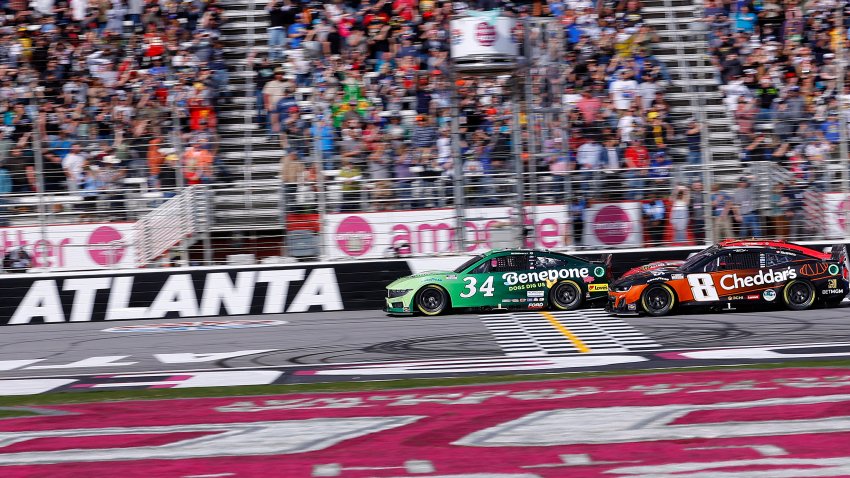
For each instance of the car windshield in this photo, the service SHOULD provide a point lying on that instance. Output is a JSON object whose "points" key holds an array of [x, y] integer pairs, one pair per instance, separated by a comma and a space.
{"points": [[697, 258], [468, 263]]}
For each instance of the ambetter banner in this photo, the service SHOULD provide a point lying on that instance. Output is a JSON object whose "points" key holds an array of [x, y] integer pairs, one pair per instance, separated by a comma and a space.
{"points": [[431, 231], [73, 246], [613, 225], [836, 208]]}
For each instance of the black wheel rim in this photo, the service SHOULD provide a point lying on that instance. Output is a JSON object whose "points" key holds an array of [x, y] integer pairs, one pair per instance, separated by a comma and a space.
{"points": [[566, 295], [799, 294], [657, 299], [431, 300]]}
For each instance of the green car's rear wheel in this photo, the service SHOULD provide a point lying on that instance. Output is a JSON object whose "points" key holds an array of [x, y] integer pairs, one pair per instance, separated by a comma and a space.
{"points": [[566, 296], [432, 300]]}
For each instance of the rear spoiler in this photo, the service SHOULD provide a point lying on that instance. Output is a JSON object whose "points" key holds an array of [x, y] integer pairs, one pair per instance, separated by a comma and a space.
{"points": [[841, 256], [607, 261]]}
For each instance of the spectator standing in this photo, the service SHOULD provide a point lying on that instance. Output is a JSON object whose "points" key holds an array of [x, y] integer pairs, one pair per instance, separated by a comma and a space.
{"points": [[693, 136], [680, 214], [74, 164], [746, 209], [722, 211], [351, 177], [264, 72], [697, 211], [624, 90], [292, 175], [53, 174], [637, 164], [654, 213], [108, 177], [281, 16], [588, 162], [273, 92], [198, 164], [778, 213]]}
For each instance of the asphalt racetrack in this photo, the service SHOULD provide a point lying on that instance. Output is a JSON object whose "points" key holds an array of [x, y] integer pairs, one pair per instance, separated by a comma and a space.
{"points": [[427, 346]]}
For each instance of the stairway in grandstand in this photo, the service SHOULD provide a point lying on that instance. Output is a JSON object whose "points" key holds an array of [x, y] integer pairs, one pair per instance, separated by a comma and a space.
{"points": [[694, 91], [251, 155]]}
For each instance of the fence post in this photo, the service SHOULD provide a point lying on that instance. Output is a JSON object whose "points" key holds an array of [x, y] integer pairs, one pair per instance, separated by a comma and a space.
{"points": [[516, 146], [457, 166], [39, 170]]}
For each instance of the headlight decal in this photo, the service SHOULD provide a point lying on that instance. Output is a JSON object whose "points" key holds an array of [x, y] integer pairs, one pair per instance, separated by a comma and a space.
{"points": [[391, 293]]}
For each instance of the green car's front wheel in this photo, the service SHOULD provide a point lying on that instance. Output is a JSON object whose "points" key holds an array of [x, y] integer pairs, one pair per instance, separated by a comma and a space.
{"points": [[432, 300], [566, 296]]}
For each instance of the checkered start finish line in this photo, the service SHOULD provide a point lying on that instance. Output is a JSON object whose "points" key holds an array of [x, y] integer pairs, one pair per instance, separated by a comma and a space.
{"points": [[745, 424]]}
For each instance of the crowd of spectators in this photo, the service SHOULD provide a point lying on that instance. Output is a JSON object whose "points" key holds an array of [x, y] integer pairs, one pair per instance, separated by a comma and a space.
{"points": [[95, 88], [779, 66], [89, 88], [780, 74], [380, 99]]}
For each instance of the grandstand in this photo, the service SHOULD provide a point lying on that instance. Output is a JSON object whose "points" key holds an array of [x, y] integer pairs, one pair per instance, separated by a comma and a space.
{"points": [[629, 104]]}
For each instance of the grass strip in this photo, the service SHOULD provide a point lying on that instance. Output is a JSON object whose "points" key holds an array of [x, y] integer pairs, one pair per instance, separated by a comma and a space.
{"points": [[16, 413], [374, 385]]}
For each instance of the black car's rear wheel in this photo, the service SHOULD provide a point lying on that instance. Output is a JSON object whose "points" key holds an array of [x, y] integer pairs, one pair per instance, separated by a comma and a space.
{"points": [[799, 295], [432, 300], [566, 296], [658, 300]]}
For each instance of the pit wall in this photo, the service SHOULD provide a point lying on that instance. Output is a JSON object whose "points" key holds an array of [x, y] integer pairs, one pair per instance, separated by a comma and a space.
{"points": [[42, 298]]}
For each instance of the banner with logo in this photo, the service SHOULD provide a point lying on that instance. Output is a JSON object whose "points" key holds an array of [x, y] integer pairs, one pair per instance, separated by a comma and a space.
{"points": [[613, 225], [484, 34], [73, 246], [432, 231], [836, 208], [203, 292]]}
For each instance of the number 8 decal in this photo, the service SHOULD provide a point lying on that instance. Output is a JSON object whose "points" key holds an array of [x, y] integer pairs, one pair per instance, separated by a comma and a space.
{"points": [[702, 287]]}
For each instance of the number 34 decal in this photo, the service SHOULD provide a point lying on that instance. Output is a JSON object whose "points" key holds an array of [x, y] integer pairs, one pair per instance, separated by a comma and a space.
{"points": [[486, 288]]}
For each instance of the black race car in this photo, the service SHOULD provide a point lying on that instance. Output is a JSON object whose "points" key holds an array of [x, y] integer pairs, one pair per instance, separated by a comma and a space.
{"points": [[735, 272]]}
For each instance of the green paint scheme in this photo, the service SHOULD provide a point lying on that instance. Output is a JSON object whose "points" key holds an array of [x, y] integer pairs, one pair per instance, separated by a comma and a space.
{"points": [[510, 279]]}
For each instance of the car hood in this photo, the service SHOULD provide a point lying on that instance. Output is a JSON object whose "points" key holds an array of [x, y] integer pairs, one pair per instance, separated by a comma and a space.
{"points": [[405, 281], [641, 275], [665, 266]]}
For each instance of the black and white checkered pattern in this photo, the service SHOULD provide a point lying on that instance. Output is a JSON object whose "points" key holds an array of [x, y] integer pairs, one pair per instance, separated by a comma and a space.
{"points": [[530, 333]]}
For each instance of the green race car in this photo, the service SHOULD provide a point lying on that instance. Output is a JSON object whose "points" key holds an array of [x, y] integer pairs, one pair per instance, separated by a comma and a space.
{"points": [[503, 279]]}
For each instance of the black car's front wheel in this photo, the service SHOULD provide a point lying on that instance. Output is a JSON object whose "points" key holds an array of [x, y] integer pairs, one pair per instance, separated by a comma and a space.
{"points": [[566, 296], [432, 300], [658, 300], [799, 295]]}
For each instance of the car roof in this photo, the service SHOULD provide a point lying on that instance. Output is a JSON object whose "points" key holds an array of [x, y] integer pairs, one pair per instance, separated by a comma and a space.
{"points": [[781, 245]]}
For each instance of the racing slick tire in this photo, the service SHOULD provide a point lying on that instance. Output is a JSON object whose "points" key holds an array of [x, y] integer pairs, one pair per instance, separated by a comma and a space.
{"points": [[798, 295], [566, 295], [432, 300], [658, 300]]}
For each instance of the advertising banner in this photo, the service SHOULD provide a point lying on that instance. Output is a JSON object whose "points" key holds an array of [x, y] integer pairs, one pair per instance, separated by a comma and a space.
{"points": [[432, 231], [836, 208], [167, 294], [73, 246], [613, 225], [483, 33]]}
